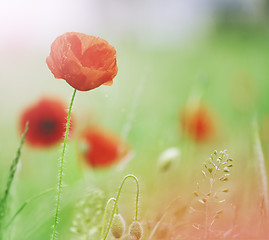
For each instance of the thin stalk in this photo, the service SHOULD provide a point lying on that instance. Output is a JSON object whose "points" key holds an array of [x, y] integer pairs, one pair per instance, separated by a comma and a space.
{"points": [[212, 181], [262, 168], [25, 204], [117, 199], [12, 171], [161, 219], [104, 218], [61, 168], [207, 207]]}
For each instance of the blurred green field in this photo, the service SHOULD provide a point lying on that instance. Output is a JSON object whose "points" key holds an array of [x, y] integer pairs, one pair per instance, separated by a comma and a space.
{"points": [[230, 69]]}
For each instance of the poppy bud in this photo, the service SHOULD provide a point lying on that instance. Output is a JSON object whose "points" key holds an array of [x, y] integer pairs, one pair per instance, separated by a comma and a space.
{"points": [[118, 226], [168, 158], [136, 230]]}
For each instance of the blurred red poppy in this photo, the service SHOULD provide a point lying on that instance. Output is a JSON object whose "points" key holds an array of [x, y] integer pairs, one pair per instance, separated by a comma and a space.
{"points": [[84, 61], [102, 148], [197, 122], [47, 120]]}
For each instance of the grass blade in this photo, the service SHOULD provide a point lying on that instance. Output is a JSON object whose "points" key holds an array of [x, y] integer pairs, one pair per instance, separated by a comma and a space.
{"points": [[12, 171], [259, 157], [26, 203]]}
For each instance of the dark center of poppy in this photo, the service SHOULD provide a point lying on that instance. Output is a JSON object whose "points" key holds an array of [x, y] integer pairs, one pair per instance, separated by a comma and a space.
{"points": [[47, 126]]}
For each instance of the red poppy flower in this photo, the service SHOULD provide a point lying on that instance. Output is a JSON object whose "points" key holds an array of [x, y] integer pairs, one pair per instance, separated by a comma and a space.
{"points": [[47, 120], [84, 61], [102, 148], [197, 122]]}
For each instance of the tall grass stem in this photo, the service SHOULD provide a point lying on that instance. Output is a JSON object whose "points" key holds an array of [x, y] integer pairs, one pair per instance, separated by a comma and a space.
{"points": [[261, 165], [162, 218]]}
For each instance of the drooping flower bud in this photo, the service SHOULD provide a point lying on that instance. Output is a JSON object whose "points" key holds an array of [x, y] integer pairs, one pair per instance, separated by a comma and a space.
{"points": [[136, 230], [118, 226]]}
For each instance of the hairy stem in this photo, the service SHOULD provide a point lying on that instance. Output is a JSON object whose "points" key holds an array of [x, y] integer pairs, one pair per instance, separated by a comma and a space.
{"points": [[61, 168], [104, 218], [117, 199]]}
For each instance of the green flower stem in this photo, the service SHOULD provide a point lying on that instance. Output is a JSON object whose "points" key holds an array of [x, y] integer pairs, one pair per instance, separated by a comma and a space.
{"points": [[104, 218], [12, 171], [117, 199], [61, 168]]}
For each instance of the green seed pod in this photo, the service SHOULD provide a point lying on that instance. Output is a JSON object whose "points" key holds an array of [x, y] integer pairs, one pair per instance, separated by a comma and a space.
{"points": [[136, 230], [118, 226]]}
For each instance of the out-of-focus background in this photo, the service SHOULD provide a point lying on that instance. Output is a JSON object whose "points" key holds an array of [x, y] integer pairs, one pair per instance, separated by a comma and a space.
{"points": [[176, 27], [169, 53]]}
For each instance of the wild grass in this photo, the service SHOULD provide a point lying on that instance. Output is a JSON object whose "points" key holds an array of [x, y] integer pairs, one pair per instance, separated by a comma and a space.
{"points": [[216, 173], [260, 163], [12, 171]]}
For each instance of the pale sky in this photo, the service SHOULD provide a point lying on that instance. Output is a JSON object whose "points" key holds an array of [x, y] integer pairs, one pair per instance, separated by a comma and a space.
{"points": [[36, 23]]}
